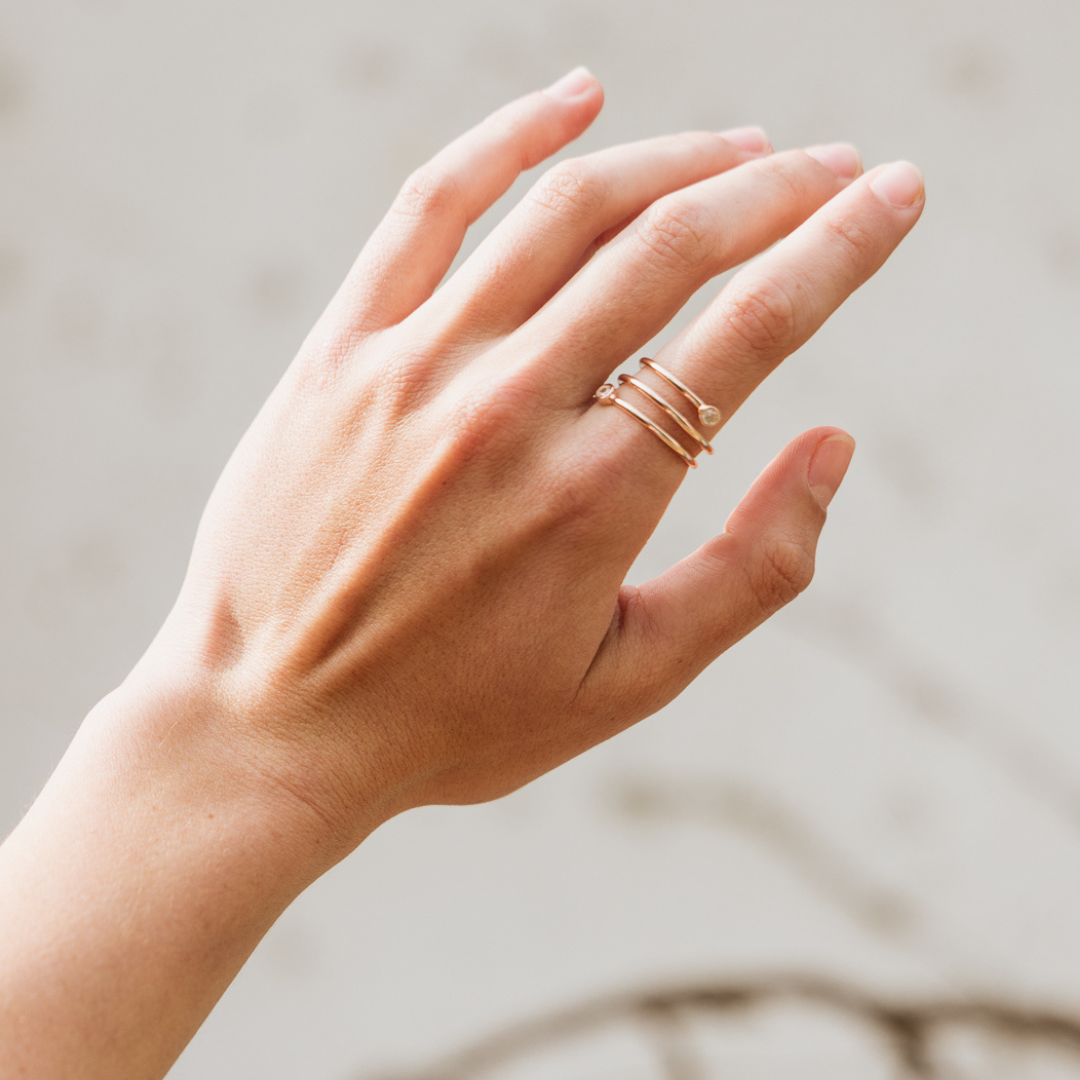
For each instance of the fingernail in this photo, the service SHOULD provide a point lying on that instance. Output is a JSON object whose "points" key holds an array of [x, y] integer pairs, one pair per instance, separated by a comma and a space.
{"points": [[841, 157], [899, 184], [751, 139], [573, 84], [828, 465]]}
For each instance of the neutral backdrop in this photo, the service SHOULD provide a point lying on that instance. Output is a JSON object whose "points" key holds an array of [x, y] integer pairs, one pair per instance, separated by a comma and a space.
{"points": [[880, 788]]}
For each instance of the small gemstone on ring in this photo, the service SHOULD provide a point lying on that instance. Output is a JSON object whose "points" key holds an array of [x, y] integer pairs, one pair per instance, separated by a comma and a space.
{"points": [[605, 393], [709, 415]]}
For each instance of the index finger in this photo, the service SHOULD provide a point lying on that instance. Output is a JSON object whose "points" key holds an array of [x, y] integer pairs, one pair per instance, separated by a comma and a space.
{"points": [[767, 311]]}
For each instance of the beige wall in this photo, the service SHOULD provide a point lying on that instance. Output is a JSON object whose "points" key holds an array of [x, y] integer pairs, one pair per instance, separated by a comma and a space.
{"points": [[881, 787]]}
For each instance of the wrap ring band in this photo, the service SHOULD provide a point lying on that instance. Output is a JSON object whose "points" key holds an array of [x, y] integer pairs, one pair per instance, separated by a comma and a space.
{"points": [[707, 415]]}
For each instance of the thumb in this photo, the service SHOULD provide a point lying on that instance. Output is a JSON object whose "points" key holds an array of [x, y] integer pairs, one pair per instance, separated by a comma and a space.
{"points": [[673, 626]]}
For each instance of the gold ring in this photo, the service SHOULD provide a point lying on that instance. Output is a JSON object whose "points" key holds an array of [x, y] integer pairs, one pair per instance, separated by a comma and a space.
{"points": [[709, 415], [675, 415], [606, 395]]}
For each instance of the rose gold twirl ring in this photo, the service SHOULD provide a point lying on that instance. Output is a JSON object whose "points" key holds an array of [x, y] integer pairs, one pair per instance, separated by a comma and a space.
{"points": [[707, 415]]}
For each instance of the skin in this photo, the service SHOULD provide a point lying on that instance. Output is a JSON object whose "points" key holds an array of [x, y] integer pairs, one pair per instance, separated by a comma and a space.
{"points": [[408, 586]]}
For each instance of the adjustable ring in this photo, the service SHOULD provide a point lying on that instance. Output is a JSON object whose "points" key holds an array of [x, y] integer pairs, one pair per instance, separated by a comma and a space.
{"points": [[606, 396], [709, 415], [675, 415]]}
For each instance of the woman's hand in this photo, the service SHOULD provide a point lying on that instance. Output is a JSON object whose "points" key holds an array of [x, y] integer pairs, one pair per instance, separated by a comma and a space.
{"points": [[408, 586]]}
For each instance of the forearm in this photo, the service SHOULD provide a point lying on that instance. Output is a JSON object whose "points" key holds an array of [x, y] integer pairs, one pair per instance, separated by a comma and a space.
{"points": [[134, 890]]}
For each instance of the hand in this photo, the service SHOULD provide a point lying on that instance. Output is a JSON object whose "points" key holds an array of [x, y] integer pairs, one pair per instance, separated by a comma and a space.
{"points": [[408, 586]]}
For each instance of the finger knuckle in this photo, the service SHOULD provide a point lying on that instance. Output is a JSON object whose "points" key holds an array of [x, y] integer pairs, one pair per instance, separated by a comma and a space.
{"points": [[678, 236], [762, 315], [478, 429], [431, 191], [573, 187], [787, 174], [322, 361], [784, 569], [485, 422], [402, 381], [570, 509], [856, 243]]}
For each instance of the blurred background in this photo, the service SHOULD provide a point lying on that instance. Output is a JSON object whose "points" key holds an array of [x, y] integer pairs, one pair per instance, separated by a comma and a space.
{"points": [[852, 848]]}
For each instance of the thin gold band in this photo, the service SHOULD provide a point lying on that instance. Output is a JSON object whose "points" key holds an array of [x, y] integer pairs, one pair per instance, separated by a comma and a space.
{"points": [[709, 415], [606, 395], [675, 415]]}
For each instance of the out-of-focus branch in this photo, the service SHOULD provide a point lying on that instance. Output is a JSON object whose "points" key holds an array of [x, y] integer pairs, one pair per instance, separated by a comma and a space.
{"points": [[909, 1029], [929, 694], [738, 804]]}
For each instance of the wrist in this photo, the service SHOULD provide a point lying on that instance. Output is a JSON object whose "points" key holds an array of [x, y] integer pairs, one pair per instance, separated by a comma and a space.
{"points": [[172, 742], [149, 868]]}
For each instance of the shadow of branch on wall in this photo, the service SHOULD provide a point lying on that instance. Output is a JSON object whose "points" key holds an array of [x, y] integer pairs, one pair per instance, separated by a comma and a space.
{"points": [[928, 693], [732, 803], [910, 1033]]}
